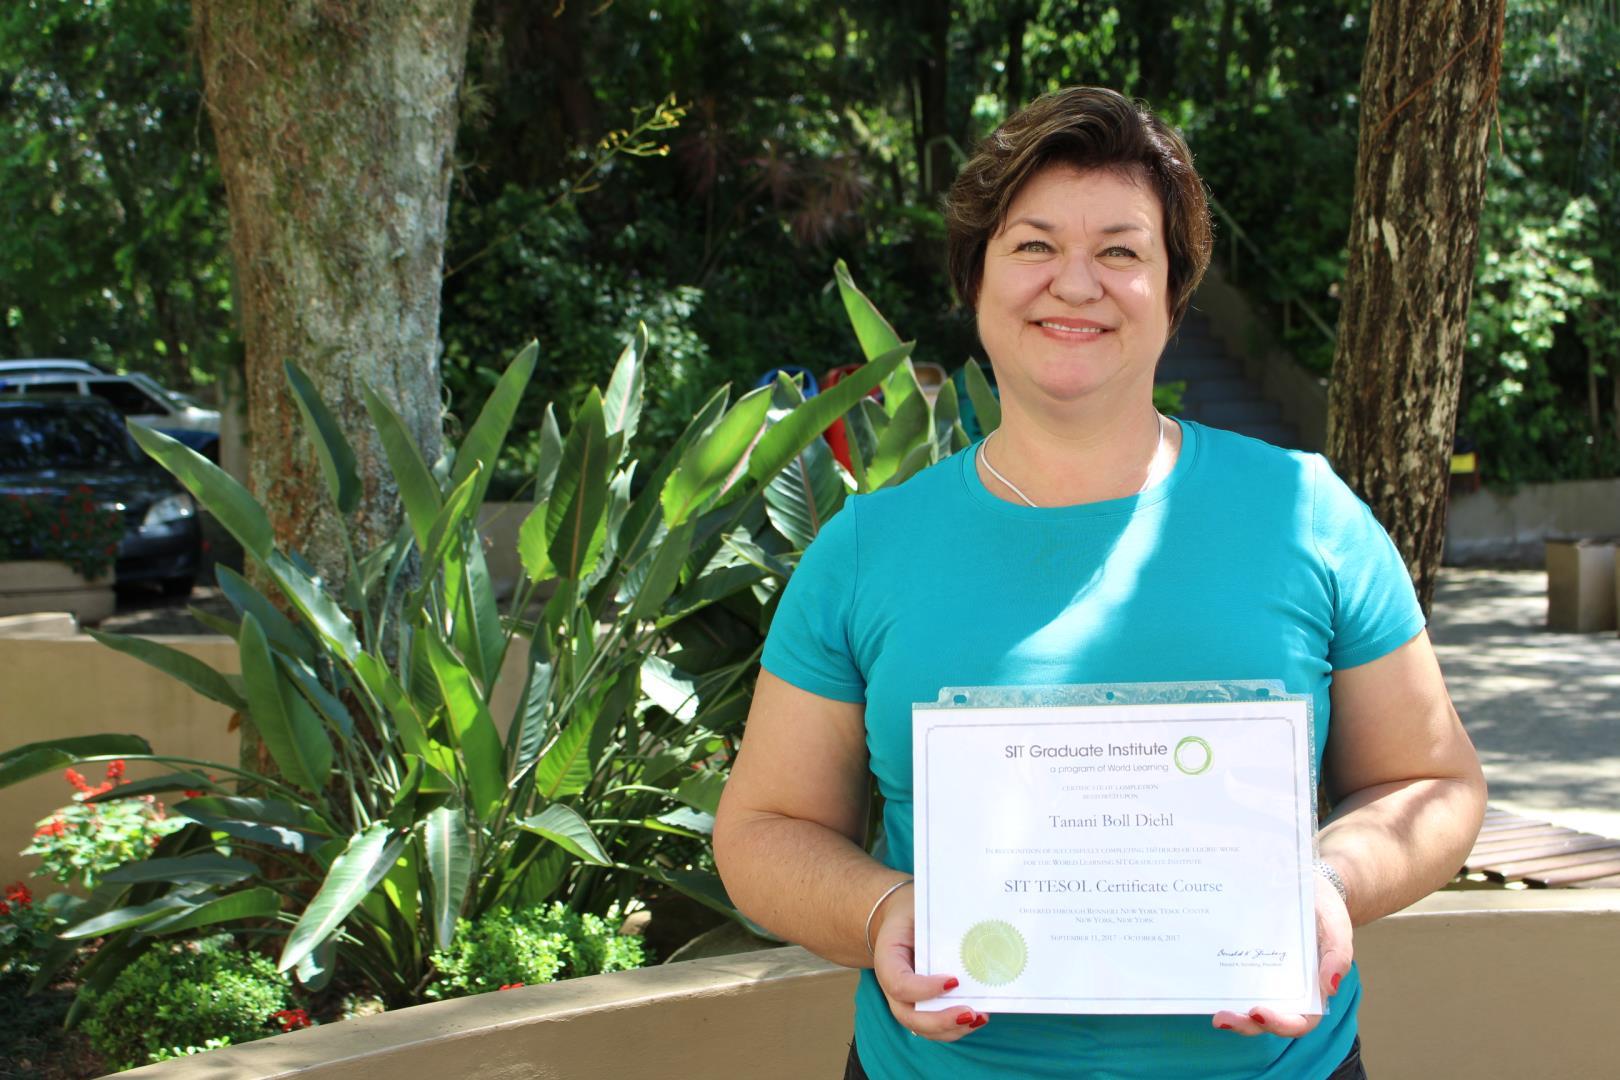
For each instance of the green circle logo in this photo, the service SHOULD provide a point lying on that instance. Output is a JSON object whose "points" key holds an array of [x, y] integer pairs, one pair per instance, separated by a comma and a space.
{"points": [[1193, 755], [993, 952]]}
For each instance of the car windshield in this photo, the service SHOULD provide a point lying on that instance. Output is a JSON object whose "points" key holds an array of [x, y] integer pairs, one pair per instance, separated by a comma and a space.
{"points": [[40, 440], [173, 396]]}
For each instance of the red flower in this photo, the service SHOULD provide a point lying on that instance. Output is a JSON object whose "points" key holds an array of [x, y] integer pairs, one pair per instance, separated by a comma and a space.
{"points": [[291, 1019], [19, 894], [115, 770], [193, 793], [54, 827], [512, 986], [76, 778], [5, 908]]}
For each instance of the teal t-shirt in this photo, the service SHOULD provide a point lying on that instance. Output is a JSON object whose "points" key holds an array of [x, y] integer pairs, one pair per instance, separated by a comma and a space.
{"points": [[1246, 562]]}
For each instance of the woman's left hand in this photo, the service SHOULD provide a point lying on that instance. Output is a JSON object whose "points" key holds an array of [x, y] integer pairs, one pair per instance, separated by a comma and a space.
{"points": [[1334, 952]]}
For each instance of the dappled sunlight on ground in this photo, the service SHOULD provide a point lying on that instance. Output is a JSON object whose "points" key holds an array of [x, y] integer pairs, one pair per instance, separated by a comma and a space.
{"points": [[1543, 708]]}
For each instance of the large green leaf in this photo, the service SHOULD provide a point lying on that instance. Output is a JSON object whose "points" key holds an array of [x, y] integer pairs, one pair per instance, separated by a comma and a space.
{"points": [[648, 591], [804, 426], [906, 431], [471, 725], [448, 847], [621, 405], [311, 599], [565, 768], [177, 665], [445, 532], [986, 406], [331, 445], [871, 328], [354, 873], [716, 459], [528, 731], [644, 520], [209, 868], [266, 821], [476, 630], [737, 564], [801, 497], [126, 918], [548, 456], [32, 759], [702, 789], [291, 730], [576, 521], [417, 488], [947, 413], [533, 547], [565, 828], [220, 494], [151, 785], [488, 433], [330, 707], [260, 902], [281, 631], [669, 688]]}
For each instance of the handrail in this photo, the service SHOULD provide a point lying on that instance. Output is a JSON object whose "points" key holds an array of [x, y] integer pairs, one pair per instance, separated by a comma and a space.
{"points": [[1292, 296]]}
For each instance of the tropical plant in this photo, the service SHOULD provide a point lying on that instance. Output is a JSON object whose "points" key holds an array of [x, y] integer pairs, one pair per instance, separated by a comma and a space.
{"points": [[397, 807]]}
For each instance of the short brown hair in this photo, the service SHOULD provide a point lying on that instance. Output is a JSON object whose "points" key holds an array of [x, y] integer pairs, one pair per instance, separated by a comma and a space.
{"points": [[1086, 127]]}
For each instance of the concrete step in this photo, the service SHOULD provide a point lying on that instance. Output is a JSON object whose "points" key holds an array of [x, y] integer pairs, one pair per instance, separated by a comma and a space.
{"points": [[1198, 366]]}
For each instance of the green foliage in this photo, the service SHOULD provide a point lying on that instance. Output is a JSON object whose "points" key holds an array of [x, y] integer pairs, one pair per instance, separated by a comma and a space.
{"points": [[116, 248], [180, 996], [529, 946], [25, 929], [96, 833], [74, 530]]}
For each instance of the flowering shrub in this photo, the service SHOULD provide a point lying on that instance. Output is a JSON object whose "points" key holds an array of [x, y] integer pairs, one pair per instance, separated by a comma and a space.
{"points": [[178, 1000], [25, 927], [83, 840], [506, 949], [74, 530]]}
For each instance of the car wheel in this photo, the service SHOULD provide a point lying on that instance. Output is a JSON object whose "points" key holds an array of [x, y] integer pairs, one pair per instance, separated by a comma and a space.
{"points": [[179, 586]]}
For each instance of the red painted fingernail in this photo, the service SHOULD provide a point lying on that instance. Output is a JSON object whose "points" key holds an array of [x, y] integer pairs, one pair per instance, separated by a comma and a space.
{"points": [[1335, 982], [1257, 1018], [965, 1018], [1224, 1027], [980, 1020], [952, 984]]}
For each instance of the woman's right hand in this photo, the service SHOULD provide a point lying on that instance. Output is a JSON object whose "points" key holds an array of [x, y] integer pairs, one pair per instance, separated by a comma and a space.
{"points": [[893, 957]]}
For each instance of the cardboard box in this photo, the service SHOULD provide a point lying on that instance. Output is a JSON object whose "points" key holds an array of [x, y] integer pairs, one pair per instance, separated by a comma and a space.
{"points": [[1581, 591]]}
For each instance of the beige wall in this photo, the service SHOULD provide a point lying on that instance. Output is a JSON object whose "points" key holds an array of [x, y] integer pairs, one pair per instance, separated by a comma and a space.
{"points": [[59, 683], [1492, 527], [1483, 985]]}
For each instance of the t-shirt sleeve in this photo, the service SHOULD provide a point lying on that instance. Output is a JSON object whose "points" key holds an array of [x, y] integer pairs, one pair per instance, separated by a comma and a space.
{"points": [[1375, 607], [808, 643]]}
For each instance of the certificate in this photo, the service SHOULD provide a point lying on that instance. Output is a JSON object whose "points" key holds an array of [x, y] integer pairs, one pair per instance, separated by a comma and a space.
{"points": [[1116, 858]]}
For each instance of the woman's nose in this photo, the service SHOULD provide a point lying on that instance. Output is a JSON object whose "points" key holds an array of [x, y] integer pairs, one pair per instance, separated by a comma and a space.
{"points": [[1076, 280]]}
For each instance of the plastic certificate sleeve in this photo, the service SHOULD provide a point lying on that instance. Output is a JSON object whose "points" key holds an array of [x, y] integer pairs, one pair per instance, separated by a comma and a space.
{"points": [[1131, 849]]}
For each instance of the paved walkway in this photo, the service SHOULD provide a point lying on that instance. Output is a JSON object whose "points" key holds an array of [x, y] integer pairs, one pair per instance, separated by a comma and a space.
{"points": [[1543, 708]]}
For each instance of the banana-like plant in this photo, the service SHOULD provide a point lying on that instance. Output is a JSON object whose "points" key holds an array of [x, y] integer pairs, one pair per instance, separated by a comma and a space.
{"points": [[398, 806]]}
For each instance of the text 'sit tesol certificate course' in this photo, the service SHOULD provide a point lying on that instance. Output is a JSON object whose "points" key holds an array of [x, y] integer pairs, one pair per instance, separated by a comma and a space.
{"points": [[1116, 858]]}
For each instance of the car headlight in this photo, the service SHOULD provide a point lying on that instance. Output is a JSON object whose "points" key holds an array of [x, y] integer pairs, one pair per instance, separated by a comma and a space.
{"points": [[168, 510]]}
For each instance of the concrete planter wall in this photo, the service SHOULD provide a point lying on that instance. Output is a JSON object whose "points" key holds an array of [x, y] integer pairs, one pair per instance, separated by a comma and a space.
{"points": [[34, 585], [1486, 985]]}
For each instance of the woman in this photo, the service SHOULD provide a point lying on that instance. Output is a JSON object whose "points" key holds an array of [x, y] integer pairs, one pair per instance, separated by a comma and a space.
{"points": [[1088, 540]]}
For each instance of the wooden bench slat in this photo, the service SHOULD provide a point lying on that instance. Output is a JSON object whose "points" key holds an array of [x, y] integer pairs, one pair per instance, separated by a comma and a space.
{"points": [[1517, 868], [1518, 837], [1548, 845], [1570, 874], [1610, 882], [1509, 824]]}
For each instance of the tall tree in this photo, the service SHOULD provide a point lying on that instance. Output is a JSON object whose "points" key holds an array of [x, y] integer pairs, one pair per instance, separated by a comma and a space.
{"points": [[1428, 94], [335, 124]]}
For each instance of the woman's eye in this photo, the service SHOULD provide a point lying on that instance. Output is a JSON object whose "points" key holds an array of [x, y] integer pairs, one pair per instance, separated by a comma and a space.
{"points": [[1037, 247], [1118, 252]]}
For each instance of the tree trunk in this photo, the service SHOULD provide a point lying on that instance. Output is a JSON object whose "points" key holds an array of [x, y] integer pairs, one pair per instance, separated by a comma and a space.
{"points": [[1428, 95], [335, 124], [931, 72]]}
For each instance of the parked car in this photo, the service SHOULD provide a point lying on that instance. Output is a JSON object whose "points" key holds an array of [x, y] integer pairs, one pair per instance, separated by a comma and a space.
{"points": [[52, 444], [38, 367], [139, 398]]}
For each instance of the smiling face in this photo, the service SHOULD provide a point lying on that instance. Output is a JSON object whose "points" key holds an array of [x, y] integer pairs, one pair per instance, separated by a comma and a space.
{"points": [[1074, 298]]}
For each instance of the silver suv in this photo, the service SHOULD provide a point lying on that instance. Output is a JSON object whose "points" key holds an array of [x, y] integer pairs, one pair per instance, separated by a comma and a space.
{"points": [[140, 399]]}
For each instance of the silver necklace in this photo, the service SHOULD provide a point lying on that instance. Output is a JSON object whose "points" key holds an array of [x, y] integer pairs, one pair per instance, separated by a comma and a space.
{"points": [[984, 457]]}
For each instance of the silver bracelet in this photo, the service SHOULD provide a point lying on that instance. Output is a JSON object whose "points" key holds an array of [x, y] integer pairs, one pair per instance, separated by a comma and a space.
{"points": [[1334, 879], [870, 915]]}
